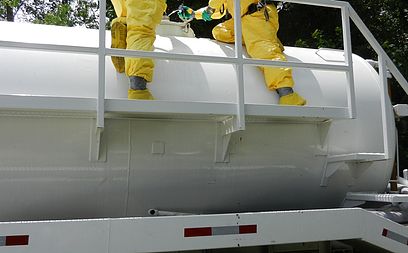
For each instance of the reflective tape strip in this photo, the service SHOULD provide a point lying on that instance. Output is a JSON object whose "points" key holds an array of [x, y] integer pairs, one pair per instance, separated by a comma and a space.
{"points": [[394, 236], [248, 229], [194, 232], [231, 230], [225, 230], [14, 240]]}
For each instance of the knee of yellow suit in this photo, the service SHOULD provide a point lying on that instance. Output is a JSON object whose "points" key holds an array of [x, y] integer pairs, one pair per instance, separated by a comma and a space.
{"points": [[224, 32], [118, 35], [223, 35]]}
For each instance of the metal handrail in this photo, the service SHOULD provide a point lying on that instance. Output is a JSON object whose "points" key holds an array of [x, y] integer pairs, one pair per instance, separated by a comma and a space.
{"points": [[240, 62], [351, 97], [169, 56], [385, 63]]}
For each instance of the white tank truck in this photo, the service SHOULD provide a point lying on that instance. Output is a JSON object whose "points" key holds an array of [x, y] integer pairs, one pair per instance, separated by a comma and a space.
{"points": [[170, 162], [190, 150]]}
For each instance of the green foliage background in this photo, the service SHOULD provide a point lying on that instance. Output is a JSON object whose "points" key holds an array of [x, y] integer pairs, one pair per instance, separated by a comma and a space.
{"points": [[300, 25]]}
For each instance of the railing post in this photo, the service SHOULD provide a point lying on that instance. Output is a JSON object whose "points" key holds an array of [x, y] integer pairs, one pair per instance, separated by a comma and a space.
{"points": [[100, 99], [240, 66], [382, 70], [351, 97], [100, 110]]}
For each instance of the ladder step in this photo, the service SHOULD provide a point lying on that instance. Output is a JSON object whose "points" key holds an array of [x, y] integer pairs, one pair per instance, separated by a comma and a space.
{"points": [[357, 157]]}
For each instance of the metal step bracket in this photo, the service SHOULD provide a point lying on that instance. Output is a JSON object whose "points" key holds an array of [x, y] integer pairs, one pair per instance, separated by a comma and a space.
{"points": [[224, 131], [334, 162], [329, 170], [356, 157], [97, 147]]}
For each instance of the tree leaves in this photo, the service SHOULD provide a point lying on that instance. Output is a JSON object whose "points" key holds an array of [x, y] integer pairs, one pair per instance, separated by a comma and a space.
{"points": [[57, 12]]}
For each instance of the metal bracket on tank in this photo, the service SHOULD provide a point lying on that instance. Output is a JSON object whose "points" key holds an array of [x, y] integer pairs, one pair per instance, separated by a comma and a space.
{"points": [[329, 170], [334, 162], [97, 147], [224, 131]]}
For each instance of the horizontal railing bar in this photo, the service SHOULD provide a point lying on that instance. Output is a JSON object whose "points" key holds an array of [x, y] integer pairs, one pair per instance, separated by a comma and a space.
{"points": [[223, 60], [333, 67], [322, 3], [168, 56], [49, 47]]}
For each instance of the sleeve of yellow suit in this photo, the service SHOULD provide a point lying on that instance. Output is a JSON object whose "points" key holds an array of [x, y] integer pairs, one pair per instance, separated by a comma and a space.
{"points": [[216, 4]]}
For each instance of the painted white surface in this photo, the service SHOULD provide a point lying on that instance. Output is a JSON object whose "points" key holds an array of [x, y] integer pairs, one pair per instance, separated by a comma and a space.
{"points": [[168, 163], [166, 234]]}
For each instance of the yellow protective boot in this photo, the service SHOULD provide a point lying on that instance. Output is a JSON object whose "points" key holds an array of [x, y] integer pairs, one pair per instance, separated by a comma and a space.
{"points": [[119, 33], [140, 94], [292, 99]]}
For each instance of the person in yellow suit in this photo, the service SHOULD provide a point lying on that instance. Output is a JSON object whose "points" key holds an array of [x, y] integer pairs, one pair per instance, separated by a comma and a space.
{"points": [[259, 31], [135, 29]]}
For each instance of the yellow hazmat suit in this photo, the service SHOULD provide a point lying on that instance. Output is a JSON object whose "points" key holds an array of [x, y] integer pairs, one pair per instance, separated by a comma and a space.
{"points": [[136, 23], [261, 41]]}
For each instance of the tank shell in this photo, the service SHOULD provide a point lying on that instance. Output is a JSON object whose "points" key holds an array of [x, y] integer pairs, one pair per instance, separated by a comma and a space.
{"points": [[168, 163]]}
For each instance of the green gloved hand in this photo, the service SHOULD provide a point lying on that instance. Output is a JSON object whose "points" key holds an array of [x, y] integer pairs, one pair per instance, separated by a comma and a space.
{"points": [[207, 14], [185, 13]]}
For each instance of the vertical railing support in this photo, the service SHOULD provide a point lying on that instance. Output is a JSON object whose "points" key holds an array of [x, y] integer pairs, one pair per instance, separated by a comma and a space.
{"points": [[100, 110], [100, 104], [240, 66], [351, 97], [382, 69]]}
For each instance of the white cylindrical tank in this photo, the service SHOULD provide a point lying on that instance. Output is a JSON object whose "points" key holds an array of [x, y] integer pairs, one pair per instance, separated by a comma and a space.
{"points": [[168, 163]]}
